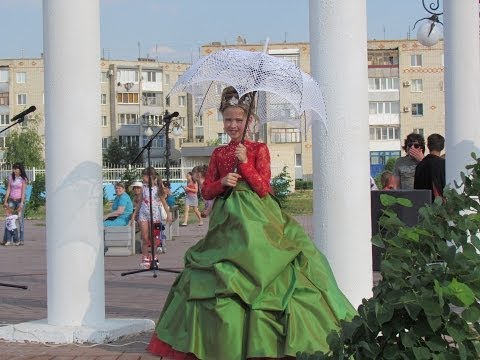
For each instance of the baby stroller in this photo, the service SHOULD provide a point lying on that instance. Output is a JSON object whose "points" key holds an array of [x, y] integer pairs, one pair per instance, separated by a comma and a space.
{"points": [[160, 238]]}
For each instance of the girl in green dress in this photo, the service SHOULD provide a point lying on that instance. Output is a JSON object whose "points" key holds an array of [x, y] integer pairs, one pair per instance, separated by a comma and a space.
{"points": [[255, 286]]}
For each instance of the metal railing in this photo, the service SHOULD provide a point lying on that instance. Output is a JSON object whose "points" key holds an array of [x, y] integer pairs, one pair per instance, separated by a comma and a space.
{"points": [[112, 174]]}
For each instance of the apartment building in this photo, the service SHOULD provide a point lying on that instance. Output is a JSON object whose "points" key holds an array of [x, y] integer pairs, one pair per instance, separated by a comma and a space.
{"points": [[133, 99], [405, 95]]}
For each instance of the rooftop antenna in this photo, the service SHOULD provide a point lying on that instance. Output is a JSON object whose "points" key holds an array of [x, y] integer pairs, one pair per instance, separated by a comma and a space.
{"points": [[285, 38], [383, 32], [139, 48]]}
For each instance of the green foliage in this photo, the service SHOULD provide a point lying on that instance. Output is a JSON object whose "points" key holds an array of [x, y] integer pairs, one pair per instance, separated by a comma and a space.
{"points": [[390, 165], [281, 185], [25, 145], [117, 154], [427, 304], [301, 184], [37, 197], [214, 142], [105, 197], [130, 153], [128, 177]]}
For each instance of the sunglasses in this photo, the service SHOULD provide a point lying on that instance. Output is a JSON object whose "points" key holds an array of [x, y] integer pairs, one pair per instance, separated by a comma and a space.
{"points": [[415, 145]]}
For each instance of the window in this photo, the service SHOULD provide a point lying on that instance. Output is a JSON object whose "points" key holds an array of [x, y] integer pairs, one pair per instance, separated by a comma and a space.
{"points": [[151, 76], [382, 157], [21, 77], [384, 107], [152, 98], [417, 85], [384, 133], [103, 77], [418, 131], [167, 79], [158, 142], [128, 119], [21, 99], [417, 109], [4, 98], [182, 101], [105, 143], [287, 57], [198, 121], [298, 159], [103, 99], [104, 121], [167, 101], [128, 140], [199, 139], [4, 119], [379, 84], [125, 76], [152, 120], [3, 142], [3, 75], [127, 98], [222, 138], [281, 110], [415, 60], [382, 58], [285, 135]]}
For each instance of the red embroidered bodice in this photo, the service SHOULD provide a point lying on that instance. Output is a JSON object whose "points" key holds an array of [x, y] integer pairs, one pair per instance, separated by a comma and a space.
{"points": [[256, 171]]}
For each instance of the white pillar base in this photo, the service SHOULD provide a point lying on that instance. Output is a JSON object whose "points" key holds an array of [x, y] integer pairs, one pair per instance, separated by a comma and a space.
{"points": [[41, 332]]}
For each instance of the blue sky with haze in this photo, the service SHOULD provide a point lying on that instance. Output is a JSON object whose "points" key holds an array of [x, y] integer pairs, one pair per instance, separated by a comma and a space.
{"points": [[174, 30]]}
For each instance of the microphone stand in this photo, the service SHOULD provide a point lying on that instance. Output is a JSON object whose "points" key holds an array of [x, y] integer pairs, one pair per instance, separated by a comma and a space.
{"points": [[1, 131], [153, 262]]}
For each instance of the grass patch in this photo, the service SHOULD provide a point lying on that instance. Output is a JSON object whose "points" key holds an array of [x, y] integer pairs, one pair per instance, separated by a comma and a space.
{"points": [[299, 203]]}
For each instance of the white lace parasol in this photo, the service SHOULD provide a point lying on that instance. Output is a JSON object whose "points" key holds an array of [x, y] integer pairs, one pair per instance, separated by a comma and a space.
{"points": [[284, 92]]}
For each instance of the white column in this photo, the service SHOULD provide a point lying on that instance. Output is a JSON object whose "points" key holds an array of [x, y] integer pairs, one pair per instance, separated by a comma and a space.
{"points": [[462, 85], [338, 40], [75, 267], [76, 294]]}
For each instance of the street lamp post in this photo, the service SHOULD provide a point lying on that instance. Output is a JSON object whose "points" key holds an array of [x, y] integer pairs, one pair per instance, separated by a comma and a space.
{"points": [[428, 33]]}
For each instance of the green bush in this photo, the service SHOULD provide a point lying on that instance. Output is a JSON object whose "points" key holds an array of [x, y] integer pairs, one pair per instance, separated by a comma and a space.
{"points": [[426, 306], [301, 184], [281, 185], [37, 196]]}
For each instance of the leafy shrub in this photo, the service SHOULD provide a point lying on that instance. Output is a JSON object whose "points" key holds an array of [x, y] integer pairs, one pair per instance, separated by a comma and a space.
{"points": [[301, 184], [426, 306], [281, 185], [37, 197]]}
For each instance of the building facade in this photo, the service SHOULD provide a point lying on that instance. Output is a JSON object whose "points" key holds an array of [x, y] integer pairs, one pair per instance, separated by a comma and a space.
{"points": [[405, 88]]}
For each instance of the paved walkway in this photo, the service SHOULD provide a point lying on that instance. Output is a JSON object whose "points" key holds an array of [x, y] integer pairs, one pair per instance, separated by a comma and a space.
{"points": [[133, 296]]}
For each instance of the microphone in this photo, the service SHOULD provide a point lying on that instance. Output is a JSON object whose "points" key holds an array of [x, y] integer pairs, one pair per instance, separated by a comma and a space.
{"points": [[170, 116], [23, 113]]}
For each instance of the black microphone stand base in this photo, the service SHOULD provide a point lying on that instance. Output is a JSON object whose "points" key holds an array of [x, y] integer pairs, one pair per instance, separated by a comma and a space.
{"points": [[14, 286], [153, 267]]}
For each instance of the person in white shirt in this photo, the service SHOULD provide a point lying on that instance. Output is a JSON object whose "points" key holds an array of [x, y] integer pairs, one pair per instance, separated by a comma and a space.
{"points": [[11, 230]]}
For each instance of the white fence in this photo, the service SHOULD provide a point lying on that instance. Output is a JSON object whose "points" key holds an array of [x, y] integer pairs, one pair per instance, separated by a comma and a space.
{"points": [[114, 174]]}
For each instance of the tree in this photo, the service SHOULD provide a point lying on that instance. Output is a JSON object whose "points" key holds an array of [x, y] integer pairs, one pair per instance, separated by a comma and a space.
{"points": [[118, 154], [25, 145], [131, 151]]}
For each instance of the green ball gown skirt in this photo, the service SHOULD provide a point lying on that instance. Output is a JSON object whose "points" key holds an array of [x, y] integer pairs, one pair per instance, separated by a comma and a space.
{"points": [[255, 286]]}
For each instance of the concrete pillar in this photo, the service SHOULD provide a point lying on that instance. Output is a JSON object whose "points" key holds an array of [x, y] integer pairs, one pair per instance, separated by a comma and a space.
{"points": [[75, 266], [462, 85], [338, 40], [76, 294]]}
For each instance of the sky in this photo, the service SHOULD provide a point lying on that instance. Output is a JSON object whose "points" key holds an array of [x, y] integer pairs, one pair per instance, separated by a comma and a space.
{"points": [[174, 30]]}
